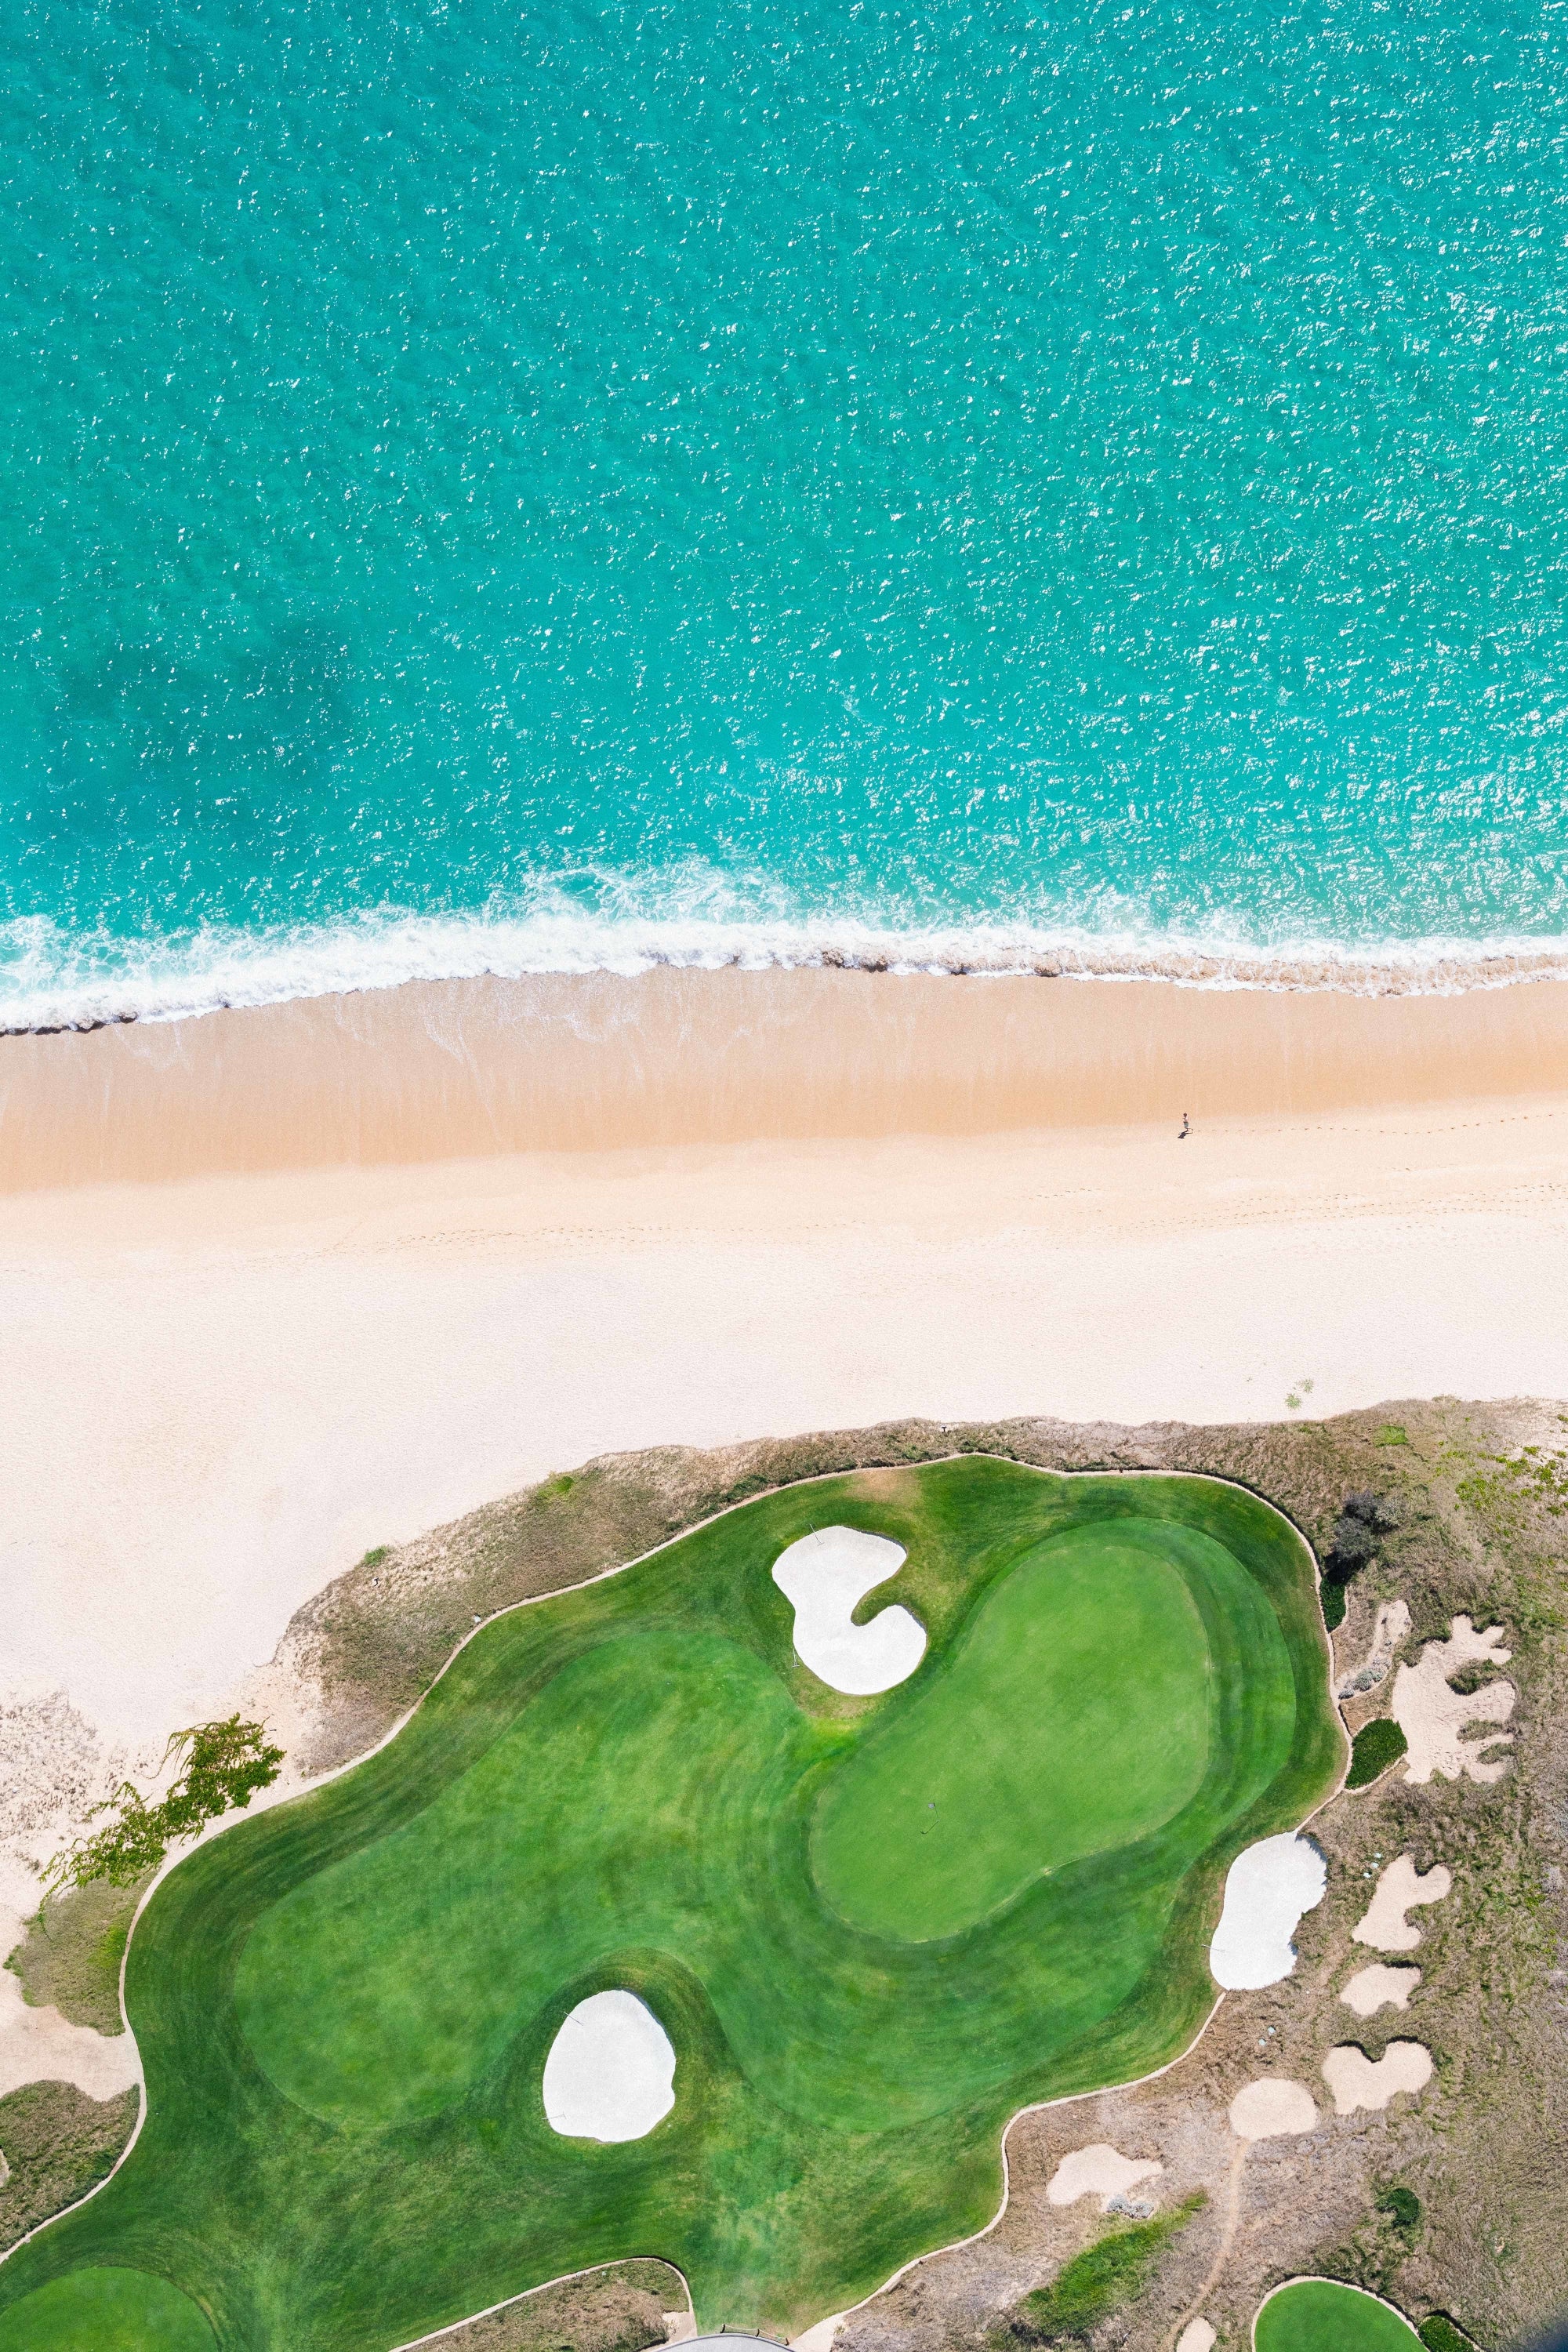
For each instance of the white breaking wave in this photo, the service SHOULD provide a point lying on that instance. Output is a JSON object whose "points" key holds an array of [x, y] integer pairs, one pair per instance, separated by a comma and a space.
{"points": [[50, 979]]}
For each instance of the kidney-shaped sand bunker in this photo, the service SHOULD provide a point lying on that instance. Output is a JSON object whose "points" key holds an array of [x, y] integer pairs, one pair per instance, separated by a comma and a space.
{"points": [[825, 1577]]}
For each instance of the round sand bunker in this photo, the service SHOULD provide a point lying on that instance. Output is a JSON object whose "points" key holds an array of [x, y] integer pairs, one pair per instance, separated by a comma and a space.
{"points": [[610, 2075], [1271, 2108]]}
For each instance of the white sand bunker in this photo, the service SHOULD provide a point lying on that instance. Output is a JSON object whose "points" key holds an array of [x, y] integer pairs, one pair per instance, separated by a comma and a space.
{"points": [[1267, 1889], [1375, 1987], [1357, 2081], [1272, 2108], [1197, 2336], [1401, 1886], [1098, 2171], [1432, 1715], [824, 1577], [610, 2075]]}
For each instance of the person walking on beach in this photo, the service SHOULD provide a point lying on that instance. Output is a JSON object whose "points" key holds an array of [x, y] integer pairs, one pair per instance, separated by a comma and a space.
{"points": [[1187, 1129]]}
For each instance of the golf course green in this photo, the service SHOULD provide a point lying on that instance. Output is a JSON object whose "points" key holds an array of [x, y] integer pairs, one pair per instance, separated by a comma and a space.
{"points": [[111, 2310], [872, 1929], [1320, 2315]]}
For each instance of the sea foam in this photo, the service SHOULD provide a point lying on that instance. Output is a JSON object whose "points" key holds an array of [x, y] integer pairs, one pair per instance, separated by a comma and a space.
{"points": [[52, 980]]}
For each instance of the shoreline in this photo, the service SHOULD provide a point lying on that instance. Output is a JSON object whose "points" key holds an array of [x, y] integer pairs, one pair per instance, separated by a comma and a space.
{"points": [[469, 1069], [50, 990]]}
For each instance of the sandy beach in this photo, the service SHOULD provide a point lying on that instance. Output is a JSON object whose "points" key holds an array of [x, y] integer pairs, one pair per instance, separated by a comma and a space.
{"points": [[282, 1285]]}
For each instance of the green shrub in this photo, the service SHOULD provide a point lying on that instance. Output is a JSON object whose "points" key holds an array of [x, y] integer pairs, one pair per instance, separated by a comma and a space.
{"points": [[1402, 2205], [225, 1763], [1112, 2272], [70, 1957], [1438, 2333], [1358, 1535], [1375, 1746], [1391, 1434]]}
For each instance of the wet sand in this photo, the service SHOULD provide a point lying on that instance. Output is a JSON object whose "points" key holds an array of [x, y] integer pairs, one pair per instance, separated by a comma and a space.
{"points": [[460, 1070]]}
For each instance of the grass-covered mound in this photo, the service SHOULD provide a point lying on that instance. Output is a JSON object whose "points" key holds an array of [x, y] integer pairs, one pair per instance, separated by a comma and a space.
{"points": [[872, 1929], [1376, 1745], [1320, 2316]]}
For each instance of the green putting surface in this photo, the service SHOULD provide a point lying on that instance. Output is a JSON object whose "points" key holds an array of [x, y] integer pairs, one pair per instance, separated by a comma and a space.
{"points": [[345, 2005], [107, 2310], [1074, 1716], [1320, 2316]]}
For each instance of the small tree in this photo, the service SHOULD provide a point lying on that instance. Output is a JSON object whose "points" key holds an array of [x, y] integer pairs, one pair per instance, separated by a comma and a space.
{"points": [[225, 1763]]}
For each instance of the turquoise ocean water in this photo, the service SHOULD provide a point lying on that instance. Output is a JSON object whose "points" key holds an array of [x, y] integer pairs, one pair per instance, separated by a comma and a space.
{"points": [[511, 485]]}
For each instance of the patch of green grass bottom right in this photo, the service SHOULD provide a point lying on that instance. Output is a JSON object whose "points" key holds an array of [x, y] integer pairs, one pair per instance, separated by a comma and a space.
{"points": [[1321, 2315]]}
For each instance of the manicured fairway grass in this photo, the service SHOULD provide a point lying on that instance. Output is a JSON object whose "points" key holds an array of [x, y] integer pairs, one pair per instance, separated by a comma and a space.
{"points": [[1319, 2316], [872, 1929]]}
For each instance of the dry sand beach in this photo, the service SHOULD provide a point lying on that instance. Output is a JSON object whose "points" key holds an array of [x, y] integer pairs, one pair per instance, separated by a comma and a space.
{"points": [[284, 1283]]}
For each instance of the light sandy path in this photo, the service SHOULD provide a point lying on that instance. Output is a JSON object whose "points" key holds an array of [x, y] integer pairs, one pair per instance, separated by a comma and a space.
{"points": [[1272, 2107], [1193, 2315], [1400, 1888]]}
